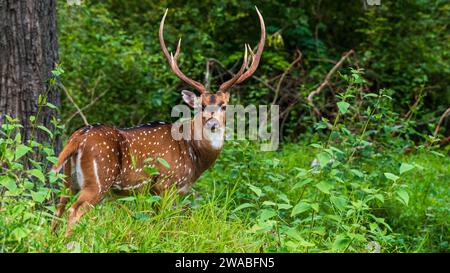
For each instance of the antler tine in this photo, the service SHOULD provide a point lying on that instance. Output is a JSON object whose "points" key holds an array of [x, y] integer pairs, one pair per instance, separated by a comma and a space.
{"points": [[250, 50], [257, 57], [251, 54], [177, 52], [173, 59], [226, 85]]}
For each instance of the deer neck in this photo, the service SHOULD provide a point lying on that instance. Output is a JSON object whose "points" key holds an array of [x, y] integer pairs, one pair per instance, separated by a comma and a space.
{"points": [[205, 151]]}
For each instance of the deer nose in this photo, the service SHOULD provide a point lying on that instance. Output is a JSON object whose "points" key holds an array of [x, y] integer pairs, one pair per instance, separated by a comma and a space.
{"points": [[212, 124]]}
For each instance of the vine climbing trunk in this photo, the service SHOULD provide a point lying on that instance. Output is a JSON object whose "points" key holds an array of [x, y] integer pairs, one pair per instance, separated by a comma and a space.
{"points": [[28, 54]]}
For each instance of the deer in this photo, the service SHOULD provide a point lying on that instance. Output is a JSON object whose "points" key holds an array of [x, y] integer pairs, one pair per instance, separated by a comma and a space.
{"points": [[99, 158]]}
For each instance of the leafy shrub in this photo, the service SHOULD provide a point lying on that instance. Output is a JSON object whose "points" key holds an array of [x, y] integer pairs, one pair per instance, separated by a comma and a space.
{"points": [[27, 188]]}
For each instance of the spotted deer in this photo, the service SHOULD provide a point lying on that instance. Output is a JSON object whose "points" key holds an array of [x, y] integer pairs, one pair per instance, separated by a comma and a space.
{"points": [[99, 158]]}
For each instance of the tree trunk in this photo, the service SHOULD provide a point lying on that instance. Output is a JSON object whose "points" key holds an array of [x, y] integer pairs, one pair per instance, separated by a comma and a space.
{"points": [[28, 54]]}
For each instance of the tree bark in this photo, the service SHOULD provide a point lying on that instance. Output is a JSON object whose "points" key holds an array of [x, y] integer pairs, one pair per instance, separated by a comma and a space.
{"points": [[28, 54]]}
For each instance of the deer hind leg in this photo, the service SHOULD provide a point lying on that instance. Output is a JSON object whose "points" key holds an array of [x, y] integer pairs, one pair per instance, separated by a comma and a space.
{"points": [[63, 199], [89, 196], [97, 180]]}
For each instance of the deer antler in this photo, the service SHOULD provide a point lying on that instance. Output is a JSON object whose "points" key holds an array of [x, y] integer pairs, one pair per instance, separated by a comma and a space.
{"points": [[173, 60], [226, 85], [240, 76]]}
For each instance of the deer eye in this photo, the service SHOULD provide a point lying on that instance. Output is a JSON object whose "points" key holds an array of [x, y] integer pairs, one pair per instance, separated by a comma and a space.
{"points": [[203, 107], [224, 107]]}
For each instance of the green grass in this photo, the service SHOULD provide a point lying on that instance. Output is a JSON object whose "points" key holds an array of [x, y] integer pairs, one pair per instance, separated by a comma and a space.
{"points": [[115, 227], [207, 220]]}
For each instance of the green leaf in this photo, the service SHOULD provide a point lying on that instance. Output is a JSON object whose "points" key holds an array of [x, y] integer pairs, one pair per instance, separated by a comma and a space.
{"points": [[284, 206], [283, 197], [438, 154], [371, 95], [52, 159], [151, 170], [343, 106], [379, 197], [315, 145], [38, 174], [293, 234], [148, 159], [324, 187], [323, 158], [300, 208], [127, 199], [141, 216], [46, 130], [153, 199], [405, 167], [8, 182], [315, 207], [357, 173], [267, 214], [391, 176], [39, 196], [163, 162], [21, 150], [18, 137], [28, 185], [49, 151], [341, 242], [403, 196], [339, 202], [269, 203], [51, 105], [255, 189], [19, 233], [244, 206], [302, 183], [9, 154]]}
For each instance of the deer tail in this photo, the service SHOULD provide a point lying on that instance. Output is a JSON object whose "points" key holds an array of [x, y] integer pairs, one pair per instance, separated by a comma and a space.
{"points": [[70, 149]]}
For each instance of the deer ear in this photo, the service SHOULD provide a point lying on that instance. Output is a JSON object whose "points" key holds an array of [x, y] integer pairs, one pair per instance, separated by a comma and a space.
{"points": [[190, 98]]}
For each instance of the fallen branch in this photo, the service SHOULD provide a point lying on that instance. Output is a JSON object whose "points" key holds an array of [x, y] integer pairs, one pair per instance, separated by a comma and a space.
{"points": [[327, 79], [438, 127], [445, 141]]}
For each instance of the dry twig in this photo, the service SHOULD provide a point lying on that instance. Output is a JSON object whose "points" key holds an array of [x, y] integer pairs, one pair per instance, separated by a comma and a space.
{"points": [[74, 104], [277, 90], [326, 81], [93, 101], [438, 126]]}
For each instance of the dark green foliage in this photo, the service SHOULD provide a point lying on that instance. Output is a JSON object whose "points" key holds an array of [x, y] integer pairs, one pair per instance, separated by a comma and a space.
{"points": [[112, 47]]}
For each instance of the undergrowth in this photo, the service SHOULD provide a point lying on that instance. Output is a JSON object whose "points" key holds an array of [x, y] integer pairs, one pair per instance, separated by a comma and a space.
{"points": [[351, 187]]}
